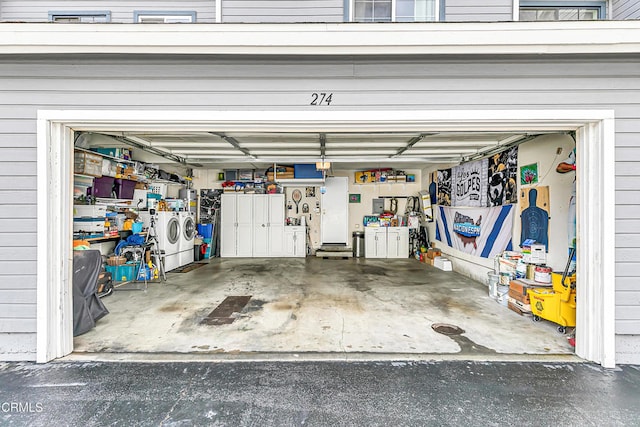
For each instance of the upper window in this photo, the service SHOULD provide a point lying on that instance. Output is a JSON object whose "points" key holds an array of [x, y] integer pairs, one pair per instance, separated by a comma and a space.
{"points": [[80, 16], [562, 11], [394, 10], [163, 17]]}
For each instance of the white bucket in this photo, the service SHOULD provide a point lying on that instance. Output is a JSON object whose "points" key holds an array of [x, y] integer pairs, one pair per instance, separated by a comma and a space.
{"points": [[492, 282], [503, 295]]}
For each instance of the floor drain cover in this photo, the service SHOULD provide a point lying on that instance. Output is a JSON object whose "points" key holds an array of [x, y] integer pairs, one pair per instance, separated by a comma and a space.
{"points": [[446, 329]]}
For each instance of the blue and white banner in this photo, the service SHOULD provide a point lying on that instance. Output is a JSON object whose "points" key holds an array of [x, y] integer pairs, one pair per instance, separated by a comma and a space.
{"points": [[482, 232]]}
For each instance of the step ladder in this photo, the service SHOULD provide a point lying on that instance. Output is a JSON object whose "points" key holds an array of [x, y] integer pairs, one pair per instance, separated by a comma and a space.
{"points": [[151, 252]]}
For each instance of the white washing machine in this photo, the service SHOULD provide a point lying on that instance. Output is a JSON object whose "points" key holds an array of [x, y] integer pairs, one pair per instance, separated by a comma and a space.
{"points": [[188, 234], [168, 233]]}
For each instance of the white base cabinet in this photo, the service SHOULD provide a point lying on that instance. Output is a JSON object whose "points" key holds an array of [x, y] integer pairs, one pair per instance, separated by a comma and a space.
{"points": [[397, 242], [386, 242], [236, 231], [295, 241], [268, 225], [375, 242], [253, 225]]}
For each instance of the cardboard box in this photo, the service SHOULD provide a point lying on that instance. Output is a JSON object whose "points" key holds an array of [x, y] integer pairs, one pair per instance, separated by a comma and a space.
{"points": [[280, 175], [534, 253], [432, 253], [526, 308], [518, 288], [515, 295], [538, 254], [514, 307], [364, 177]]}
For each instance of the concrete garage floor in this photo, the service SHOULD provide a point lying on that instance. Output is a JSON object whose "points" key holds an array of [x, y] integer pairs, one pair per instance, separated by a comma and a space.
{"points": [[318, 305]]}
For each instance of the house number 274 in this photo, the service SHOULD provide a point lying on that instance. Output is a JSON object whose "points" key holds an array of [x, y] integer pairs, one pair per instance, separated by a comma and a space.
{"points": [[321, 98]]}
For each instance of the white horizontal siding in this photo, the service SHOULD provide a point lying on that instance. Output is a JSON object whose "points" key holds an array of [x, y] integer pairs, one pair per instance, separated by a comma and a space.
{"points": [[17, 346], [626, 9], [283, 11], [18, 282], [474, 11], [255, 83], [121, 10], [628, 349]]}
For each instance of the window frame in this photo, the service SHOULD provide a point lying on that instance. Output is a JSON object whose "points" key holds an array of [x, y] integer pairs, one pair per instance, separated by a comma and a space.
{"points": [[437, 13], [165, 13], [601, 6], [53, 14]]}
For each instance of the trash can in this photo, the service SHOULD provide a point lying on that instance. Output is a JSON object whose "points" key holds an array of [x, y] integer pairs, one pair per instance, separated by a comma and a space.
{"points": [[358, 244]]}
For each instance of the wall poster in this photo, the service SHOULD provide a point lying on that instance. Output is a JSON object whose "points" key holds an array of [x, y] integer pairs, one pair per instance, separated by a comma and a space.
{"points": [[444, 187], [503, 178], [469, 186]]}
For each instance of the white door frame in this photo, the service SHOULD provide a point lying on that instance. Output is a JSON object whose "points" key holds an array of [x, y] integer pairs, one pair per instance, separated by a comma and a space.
{"points": [[595, 132]]}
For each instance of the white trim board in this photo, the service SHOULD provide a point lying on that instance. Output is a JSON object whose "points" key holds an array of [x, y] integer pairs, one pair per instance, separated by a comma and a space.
{"points": [[436, 38], [596, 244]]}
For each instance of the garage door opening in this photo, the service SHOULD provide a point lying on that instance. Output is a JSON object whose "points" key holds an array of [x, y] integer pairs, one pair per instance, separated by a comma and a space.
{"points": [[593, 129]]}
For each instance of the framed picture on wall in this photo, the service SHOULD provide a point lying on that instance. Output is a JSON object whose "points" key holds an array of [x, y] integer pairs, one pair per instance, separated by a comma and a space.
{"points": [[529, 174], [354, 198]]}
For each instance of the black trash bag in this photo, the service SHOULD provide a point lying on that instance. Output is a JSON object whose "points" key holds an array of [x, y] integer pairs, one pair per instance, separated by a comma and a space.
{"points": [[87, 307]]}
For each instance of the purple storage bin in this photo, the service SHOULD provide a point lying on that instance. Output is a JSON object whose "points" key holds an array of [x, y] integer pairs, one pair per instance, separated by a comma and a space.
{"points": [[103, 186], [124, 188]]}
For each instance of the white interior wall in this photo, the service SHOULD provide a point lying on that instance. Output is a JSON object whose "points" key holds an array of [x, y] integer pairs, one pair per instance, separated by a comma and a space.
{"points": [[368, 192], [543, 151], [206, 178]]}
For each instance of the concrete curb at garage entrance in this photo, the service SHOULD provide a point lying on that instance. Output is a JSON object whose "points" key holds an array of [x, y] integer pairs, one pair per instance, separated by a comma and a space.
{"points": [[315, 357]]}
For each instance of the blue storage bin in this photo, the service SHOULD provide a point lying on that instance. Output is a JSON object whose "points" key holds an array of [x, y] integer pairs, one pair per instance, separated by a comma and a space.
{"points": [[306, 171], [124, 272], [205, 230]]}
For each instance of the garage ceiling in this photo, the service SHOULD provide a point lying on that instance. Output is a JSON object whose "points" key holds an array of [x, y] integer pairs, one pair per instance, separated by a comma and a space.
{"points": [[344, 150]]}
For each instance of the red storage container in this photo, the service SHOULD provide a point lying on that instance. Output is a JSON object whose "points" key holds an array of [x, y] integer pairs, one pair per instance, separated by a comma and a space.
{"points": [[102, 187], [124, 188]]}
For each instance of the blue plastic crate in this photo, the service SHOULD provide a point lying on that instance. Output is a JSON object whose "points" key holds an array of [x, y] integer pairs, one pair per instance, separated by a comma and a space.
{"points": [[306, 171], [124, 272]]}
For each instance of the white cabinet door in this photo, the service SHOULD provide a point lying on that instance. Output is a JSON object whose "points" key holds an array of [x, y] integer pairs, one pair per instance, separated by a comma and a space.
{"points": [[375, 242], [236, 223], [295, 241], [228, 226], [275, 225], [397, 242], [289, 242], [300, 242], [244, 236], [260, 225], [403, 250]]}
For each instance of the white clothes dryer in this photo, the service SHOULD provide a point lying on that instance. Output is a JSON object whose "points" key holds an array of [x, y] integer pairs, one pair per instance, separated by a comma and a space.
{"points": [[188, 234]]}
